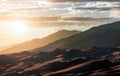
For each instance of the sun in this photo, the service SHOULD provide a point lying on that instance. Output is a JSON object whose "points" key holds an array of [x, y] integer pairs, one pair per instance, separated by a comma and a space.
{"points": [[18, 27]]}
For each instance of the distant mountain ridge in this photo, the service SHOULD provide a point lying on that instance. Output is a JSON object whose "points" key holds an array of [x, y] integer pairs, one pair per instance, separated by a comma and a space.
{"points": [[107, 35], [90, 61], [36, 43], [3, 47]]}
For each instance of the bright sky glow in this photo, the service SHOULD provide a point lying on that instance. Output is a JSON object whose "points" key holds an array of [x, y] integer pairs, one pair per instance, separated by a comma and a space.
{"points": [[18, 27], [22, 20]]}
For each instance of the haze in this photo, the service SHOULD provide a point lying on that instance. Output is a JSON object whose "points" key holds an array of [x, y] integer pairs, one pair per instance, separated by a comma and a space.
{"points": [[23, 20]]}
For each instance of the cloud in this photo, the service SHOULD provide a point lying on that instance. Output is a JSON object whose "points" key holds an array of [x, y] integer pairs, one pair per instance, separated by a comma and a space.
{"points": [[28, 9], [79, 0], [40, 19], [114, 13], [101, 6], [57, 19], [83, 19], [33, 8], [97, 8]]}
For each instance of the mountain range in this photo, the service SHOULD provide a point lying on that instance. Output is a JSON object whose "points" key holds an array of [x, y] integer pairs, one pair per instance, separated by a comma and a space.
{"points": [[3, 47], [97, 55], [37, 43], [107, 35]]}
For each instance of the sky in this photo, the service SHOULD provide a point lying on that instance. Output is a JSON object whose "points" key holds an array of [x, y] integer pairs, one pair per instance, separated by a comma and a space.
{"points": [[24, 20]]}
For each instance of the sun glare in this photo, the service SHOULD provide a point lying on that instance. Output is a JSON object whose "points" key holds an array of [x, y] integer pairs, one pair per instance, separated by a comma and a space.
{"points": [[18, 27]]}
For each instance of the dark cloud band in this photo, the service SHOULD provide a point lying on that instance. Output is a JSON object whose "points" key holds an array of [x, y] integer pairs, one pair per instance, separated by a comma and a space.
{"points": [[96, 8], [50, 19]]}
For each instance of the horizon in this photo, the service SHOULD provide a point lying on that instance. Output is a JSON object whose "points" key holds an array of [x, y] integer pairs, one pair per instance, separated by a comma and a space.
{"points": [[59, 37], [30, 19]]}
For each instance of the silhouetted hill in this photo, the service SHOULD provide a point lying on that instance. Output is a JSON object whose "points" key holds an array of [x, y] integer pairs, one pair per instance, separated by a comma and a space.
{"points": [[39, 42], [107, 35]]}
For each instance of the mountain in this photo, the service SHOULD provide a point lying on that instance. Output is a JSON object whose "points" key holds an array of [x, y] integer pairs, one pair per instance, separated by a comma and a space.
{"points": [[39, 42], [107, 35], [4, 47], [102, 60]]}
